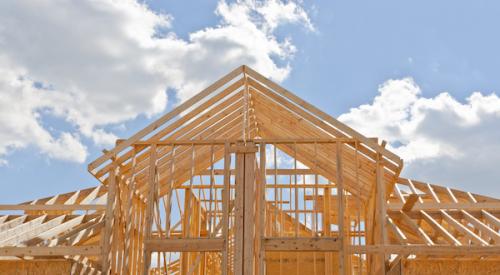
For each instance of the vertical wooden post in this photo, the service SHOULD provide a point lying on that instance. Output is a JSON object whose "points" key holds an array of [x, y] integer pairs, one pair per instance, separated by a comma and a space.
{"points": [[130, 217], [150, 205], [383, 200], [226, 192], [315, 216], [170, 190], [188, 210], [376, 262], [249, 211], [340, 209], [358, 200], [296, 193], [210, 215], [296, 204], [107, 238], [262, 209], [239, 213], [370, 229], [326, 226], [186, 228], [116, 250], [244, 258], [276, 198]]}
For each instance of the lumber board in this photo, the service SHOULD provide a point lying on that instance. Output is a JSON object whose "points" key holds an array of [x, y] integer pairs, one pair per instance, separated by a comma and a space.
{"points": [[90, 250], [52, 207], [184, 245], [302, 244]]}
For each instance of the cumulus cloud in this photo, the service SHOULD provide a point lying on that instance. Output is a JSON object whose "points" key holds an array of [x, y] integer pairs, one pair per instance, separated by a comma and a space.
{"points": [[440, 138], [20, 110], [101, 63]]}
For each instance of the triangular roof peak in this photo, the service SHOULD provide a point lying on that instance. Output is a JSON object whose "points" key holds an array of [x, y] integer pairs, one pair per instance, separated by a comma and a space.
{"points": [[177, 160], [245, 105]]}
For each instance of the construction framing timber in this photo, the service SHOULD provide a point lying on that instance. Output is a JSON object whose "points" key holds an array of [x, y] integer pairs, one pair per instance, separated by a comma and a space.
{"points": [[247, 178]]}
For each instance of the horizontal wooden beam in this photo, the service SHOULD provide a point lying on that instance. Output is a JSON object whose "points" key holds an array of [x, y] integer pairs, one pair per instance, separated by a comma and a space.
{"points": [[426, 206], [266, 141], [52, 207], [301, 244], [184, 245], [449, 250], [90, 250], [242, 149], [269, 185], [281, 171]]}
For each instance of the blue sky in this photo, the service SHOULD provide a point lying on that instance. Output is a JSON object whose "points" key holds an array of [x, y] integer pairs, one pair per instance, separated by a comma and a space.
{"points": [[426, 58]]}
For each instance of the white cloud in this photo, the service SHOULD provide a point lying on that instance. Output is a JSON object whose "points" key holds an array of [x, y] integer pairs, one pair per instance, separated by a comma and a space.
{"points": [[101, 63], [441, 139], [20, 109], [266, 14]]}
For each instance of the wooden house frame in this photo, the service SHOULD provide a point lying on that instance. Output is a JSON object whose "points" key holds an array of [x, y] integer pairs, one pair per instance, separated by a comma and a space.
{"points": [[247, 178]]}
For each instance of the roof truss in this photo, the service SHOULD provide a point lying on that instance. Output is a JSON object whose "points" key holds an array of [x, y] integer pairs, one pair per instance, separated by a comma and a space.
{"points": [[172, 187]]}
